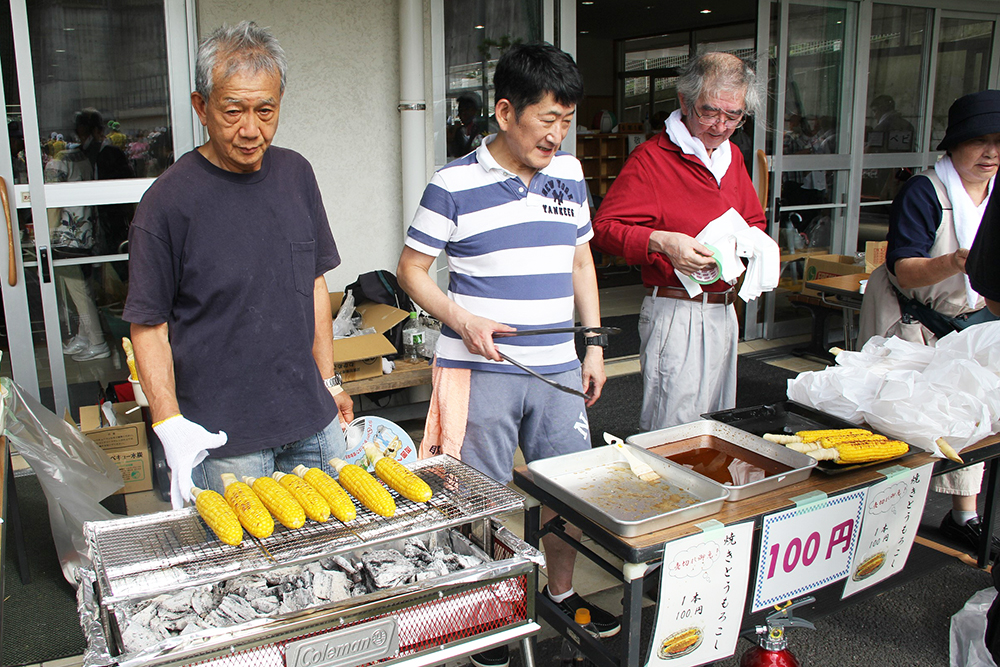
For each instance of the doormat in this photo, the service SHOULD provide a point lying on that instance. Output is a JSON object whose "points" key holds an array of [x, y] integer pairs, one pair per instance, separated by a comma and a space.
{"points": [[41, 622]]}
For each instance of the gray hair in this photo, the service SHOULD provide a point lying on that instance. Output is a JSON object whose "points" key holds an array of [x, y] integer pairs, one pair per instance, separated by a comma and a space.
{"points": [[714, 72], [245, 47]]}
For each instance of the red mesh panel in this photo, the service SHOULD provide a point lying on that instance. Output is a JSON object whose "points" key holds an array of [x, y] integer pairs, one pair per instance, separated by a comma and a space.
{"points": [[428, 624]]}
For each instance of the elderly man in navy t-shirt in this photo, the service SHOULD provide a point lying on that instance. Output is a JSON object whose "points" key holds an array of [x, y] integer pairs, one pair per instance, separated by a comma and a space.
{"points": [[230, 312]]}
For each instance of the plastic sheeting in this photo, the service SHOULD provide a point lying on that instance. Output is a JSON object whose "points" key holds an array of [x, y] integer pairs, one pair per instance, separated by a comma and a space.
{"points": [[967, 637], [75, 474], [914, 392]]}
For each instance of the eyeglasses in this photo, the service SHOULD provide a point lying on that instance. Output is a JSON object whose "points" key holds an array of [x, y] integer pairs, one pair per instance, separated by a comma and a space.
{"points": [[712, 116]]}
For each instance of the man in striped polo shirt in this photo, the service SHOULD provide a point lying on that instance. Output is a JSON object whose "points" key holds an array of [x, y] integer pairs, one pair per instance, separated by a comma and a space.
{"points": [[513, 221]]}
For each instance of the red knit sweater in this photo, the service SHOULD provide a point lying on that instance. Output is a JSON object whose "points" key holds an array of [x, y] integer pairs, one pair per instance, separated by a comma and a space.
{"points": [[662, 188]]}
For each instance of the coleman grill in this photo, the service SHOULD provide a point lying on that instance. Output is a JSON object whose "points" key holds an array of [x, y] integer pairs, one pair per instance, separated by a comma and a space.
{"points": [[436, 581]]}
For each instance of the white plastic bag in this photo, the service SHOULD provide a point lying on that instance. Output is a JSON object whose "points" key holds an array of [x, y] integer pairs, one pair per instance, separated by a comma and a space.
{"points": [[343, 325], [841, 391], [910, 408], [967, 637], [74, 473]]}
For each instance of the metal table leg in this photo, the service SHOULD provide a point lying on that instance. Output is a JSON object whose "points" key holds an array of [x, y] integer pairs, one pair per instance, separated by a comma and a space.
{"points": [[989, 512]]}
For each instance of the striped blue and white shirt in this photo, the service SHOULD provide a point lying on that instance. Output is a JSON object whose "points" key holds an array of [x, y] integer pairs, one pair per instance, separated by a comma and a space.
{"points": [[510, 250]]}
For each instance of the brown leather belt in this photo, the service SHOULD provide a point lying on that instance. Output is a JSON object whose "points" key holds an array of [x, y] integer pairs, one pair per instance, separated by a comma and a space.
{"points": [[725, 298]]}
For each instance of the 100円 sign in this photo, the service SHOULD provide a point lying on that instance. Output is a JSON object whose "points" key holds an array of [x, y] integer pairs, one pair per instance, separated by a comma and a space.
{"points": [[807, 547]]}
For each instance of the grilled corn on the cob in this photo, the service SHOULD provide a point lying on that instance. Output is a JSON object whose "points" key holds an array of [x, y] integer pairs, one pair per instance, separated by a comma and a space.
{"points": [[278, 501], [832, 441], [250, 511], [315, 506], [400, 479], [218, 515], [863, 451], [809, 436], [341, 505], [364, 487]]}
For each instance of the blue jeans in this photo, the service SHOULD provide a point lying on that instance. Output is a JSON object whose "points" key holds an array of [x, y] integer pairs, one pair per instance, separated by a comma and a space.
{"points": [[312, 452]]}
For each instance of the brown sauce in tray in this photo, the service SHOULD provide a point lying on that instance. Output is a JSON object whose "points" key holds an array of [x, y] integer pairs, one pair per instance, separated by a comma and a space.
{"points": [[711, 456]]}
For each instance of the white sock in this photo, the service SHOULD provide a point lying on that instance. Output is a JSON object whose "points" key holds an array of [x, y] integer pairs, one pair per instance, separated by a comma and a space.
{"points": [[962, 518], [561, 596]]}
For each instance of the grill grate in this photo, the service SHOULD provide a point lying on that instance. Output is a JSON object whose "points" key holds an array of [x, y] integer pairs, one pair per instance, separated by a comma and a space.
{"points": [[146, 555]]}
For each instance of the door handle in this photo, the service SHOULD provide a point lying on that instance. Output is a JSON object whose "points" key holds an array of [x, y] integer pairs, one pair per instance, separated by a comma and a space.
{"points": [[11, 254], [43, 259]]}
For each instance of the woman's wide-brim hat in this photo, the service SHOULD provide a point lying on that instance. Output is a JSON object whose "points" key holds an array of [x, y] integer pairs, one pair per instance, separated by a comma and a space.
{"points": [[972, 116]]}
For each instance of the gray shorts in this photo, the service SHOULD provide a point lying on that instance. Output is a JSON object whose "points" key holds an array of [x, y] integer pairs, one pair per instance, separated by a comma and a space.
{"points": [[508, 409]]}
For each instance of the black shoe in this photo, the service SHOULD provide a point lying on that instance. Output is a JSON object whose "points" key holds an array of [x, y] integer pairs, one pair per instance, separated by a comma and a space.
{"points": [[969, 535], [498, 656], [605, 624]]}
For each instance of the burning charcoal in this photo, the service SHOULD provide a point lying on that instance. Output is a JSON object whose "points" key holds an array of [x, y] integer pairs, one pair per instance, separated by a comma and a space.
{"points": [[179, 602], [296, 601], [248, 586], [358, 589], [331, 586], [387, 568], [414, 548], [177, 625], [194, 626], [237, 609], [203, 601], [265, 606], [311, 570], [438, 568], [345, 565], [148, 612], [465, 562], [159, 627], [283, 575], [137, 637], [217, 620]]}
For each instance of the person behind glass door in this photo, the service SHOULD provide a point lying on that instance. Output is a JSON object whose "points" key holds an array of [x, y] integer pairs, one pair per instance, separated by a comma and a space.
{"points": [[73, 234], [467, 133], [922, 291]]}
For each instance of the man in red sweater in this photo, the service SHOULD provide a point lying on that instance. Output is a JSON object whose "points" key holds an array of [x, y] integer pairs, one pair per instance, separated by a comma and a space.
{"points": [[670, 188]]}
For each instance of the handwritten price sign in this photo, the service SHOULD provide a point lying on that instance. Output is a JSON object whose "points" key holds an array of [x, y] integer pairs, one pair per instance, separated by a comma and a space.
{"points": [[807, 547], [892, 516]]}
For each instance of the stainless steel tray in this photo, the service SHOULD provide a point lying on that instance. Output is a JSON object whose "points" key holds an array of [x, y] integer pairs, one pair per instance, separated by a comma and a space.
{"points": [[599, 484], [799, 465]]}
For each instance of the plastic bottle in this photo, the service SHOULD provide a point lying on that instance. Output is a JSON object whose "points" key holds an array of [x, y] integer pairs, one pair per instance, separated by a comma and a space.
{"points": [[569, 654], [413, 337]]}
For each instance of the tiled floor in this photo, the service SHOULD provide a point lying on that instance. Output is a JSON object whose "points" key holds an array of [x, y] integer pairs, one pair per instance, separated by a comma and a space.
{"points": [[589, 580]]}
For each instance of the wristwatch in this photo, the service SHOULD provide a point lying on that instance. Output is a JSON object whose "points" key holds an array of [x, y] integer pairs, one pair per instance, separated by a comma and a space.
{"points": [[334, 381], [597, 339]]}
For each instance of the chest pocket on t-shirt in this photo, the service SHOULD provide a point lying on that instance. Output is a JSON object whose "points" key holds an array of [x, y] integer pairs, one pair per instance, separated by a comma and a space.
{"points": [[304, 266]]}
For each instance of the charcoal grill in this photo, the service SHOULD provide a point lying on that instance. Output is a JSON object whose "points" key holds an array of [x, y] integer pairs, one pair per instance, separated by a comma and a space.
{"points": [[422, 623]]}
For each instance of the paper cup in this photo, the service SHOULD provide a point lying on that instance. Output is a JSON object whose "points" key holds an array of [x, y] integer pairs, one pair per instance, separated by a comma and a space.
{"points": [[140, 397]]}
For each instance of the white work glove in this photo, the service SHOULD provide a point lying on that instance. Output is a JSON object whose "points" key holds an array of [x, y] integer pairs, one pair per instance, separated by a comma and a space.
{"points": [[185, 444]]}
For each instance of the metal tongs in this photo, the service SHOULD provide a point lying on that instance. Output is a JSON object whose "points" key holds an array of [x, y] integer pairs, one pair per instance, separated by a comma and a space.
{"points": [[538, 332]]}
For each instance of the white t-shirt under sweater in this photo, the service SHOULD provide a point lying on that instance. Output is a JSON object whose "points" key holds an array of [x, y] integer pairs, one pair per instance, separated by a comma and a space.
{"points": [[510, 250]]}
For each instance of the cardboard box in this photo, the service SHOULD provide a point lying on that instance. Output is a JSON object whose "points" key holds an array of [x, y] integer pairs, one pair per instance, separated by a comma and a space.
{"points": [[827, 266], [124, 444], [875, 254], [360, 357]]}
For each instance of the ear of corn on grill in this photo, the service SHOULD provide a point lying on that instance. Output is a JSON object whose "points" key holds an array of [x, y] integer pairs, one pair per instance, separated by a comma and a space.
{"points": [[250, 511], [400, 479], [341, 505], [315, 506], [218, 515], [278, 500], [845, 445], [364, 487]]}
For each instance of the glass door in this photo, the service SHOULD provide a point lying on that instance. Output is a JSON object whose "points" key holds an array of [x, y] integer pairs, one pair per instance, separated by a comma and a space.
{"points": [[810, 78], [91, 121]]}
